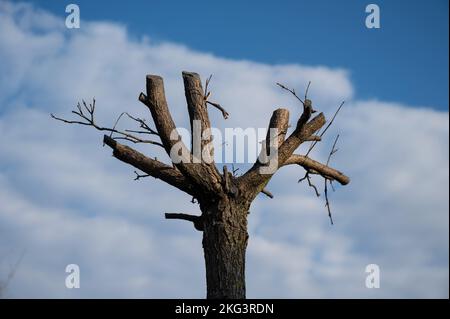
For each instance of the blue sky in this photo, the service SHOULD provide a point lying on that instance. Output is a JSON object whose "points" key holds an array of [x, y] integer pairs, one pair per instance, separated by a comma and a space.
{"points": [[64, 199], [404, 61]]}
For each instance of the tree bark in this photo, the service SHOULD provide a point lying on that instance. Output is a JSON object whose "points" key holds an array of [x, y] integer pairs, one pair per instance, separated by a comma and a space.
{"points": [[225, 240]]}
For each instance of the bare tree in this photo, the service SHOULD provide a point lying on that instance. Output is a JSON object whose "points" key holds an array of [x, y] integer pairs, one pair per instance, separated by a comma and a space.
{"points": [[224, 198]]}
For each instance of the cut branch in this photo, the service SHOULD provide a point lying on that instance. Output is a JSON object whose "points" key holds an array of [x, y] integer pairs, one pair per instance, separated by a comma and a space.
{"points": [[252, 179], [302, 132], [196, 220], [197, 111], [318, 168], [267, 193], [202, 146], [157, 104], [314, 138], [280, 122], [149, 166]]}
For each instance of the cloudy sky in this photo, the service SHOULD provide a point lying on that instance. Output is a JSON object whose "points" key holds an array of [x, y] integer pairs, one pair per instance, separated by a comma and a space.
{"points": [[64, 199]]}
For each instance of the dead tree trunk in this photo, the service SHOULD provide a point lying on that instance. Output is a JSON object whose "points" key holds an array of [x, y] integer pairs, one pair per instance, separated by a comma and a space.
{"points": [[224, 199], [224, 243]]}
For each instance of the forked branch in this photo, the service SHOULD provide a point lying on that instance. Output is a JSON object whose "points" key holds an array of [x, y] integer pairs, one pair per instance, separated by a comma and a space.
{"points": [[305, 130], [205, 178]]}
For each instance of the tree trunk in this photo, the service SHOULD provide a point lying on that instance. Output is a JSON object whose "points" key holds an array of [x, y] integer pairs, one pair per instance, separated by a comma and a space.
{"points": [[225, 242]]}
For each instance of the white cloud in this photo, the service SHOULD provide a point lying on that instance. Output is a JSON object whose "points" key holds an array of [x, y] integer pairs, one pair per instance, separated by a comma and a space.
{"points": [[65, 200]]}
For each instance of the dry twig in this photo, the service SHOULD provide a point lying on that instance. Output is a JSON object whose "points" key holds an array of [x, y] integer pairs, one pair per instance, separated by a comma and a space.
{"points": [[88, 119], [327, 202], [207, 94]]}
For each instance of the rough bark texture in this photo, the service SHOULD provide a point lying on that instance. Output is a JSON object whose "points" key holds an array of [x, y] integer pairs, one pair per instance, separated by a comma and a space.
{"points": [[223, 198], [225, 240]]}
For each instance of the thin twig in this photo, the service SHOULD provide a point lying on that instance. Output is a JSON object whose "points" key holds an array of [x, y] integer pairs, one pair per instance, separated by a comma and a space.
{"points": [[307, 89], [267, 193], [89, 120], [327, 202], [307, 103], [291, 91], [207, 94], [331, 184], [138, 176], [308, 178], [206, 85], [234, 170], [142, 124], [225, 114], [333, 150], [326, 128]]}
